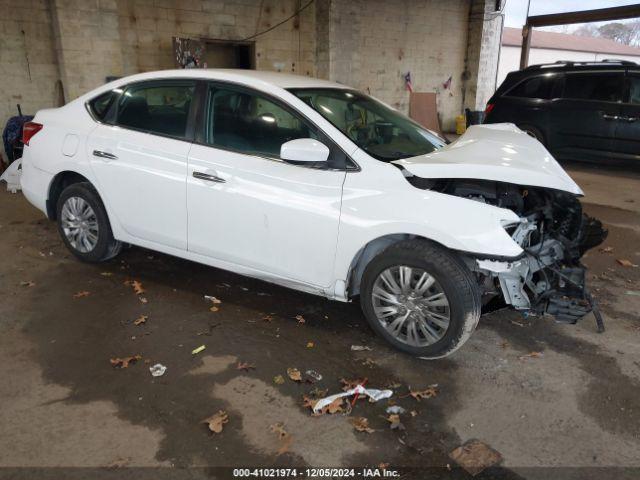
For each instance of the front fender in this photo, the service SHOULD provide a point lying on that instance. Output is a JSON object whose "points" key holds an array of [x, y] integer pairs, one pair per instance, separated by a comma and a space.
{"points": [[399, 208]]}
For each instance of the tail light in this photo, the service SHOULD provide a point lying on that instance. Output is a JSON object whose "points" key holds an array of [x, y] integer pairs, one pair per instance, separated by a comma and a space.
{"points": [[487, 110], [29, 130]]}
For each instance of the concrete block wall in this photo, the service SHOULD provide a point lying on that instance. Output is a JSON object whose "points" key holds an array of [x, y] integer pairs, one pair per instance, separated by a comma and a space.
{"points": [[374, 43], [28, 63], [73, 45], [100, 38]]}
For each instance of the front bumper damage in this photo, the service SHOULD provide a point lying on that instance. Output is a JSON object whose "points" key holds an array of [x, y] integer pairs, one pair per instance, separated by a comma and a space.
{"points": [[549, 277]]}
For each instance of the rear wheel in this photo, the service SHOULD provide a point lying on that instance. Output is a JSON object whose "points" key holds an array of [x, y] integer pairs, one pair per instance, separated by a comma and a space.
{"points": [[421, 298], [83, 224]]}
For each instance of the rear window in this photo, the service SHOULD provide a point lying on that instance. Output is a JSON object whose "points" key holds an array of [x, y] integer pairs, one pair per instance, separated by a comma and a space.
{"points": [[537, 87], [604, 87]]}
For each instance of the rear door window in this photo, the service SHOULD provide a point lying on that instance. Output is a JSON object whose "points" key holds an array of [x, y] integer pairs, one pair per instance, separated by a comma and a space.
{"points": [[540, 87], [161, 108], [604, 87]]}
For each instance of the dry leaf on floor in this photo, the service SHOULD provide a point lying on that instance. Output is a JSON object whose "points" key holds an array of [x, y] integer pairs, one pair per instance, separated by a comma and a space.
{"points": [[140, 320], [361, 424], [310, 344], [217, 420], [531, 355], [394, 422], [106, 274], [625, 263], [213, 300], [285, 438], [475, 456], [300, 319], [268, 318], [605, 249], [430, 391], [413, 413], [333, 407], [351, 384], [27, 284], [294, 374], [136, 285], [383, 466], [142, 299], [213, 308], [81, 294], [124, 362], [245, 366], [278, 379]]}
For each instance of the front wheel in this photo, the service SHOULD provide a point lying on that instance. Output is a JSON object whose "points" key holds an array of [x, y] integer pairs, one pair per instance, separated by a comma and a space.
{"points": [[420, 298], [83, 224]]}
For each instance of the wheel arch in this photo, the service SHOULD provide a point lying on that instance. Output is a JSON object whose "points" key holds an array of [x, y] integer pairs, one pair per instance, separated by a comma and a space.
{"points": [[369, 251], [59, 182]]}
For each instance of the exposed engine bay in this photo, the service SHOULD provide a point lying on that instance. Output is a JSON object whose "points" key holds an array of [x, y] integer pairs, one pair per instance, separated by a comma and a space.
{"points": [[554, 234]]}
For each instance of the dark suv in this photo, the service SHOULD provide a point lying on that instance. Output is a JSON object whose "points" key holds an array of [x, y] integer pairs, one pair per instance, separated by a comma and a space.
{"points": [[579, 111]]}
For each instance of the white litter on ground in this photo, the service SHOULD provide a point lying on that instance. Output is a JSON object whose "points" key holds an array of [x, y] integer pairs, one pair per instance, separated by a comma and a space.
{"points": [[157, 370], [373, 394], [12, 176]]}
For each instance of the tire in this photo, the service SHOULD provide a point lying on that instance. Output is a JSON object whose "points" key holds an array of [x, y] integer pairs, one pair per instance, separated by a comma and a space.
{"points": [[101, 245], [533, 132], [451, 277]]}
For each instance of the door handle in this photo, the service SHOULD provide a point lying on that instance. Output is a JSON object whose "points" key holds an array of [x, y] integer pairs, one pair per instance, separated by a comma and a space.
{"points": [[606, 116], [105, 155], [208, 177]]}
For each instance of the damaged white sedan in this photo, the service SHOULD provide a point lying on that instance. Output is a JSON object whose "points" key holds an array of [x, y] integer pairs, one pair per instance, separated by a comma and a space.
{"points": [[318, 187]]}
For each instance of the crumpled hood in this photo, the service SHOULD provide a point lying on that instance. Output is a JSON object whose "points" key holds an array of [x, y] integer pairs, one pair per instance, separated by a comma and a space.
{"points": [[500, 152]]}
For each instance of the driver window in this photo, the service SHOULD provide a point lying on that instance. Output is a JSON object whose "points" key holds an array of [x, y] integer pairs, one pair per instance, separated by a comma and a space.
{"points": [[249, 123]]}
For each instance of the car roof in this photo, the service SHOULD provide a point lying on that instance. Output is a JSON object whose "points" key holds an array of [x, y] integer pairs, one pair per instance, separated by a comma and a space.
{"points": [[247, 77]]}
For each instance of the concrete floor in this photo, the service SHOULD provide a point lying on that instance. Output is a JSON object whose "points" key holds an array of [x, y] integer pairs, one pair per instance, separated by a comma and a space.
{"points": [[64, 405]]}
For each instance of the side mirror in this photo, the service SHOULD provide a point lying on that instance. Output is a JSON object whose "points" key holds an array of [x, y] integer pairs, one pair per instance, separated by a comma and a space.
{"points": [[304, 150]]}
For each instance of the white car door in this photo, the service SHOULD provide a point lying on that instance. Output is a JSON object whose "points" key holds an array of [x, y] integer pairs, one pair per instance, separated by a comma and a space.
{"points": [[248, 207], [139, 158]]}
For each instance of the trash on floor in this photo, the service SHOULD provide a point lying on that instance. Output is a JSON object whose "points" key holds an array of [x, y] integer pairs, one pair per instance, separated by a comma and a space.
{"points": [[360, 348], [157, 370], [475, 456], [312, 376], [124, 362], [396, 409], [373, 394], [197, 350], [12, 176], [216, 421]]}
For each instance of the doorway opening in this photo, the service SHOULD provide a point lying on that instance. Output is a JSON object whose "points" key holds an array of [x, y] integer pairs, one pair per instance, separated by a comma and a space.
{"points": [[229, 54]]}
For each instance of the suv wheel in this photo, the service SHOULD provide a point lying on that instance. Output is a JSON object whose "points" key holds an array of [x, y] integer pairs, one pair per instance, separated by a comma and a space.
{"points": [[421, 298], [83, 224]]}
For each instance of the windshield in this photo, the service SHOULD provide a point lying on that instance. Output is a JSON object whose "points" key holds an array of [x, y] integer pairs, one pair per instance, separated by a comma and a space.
{"points": [[379, 130]]}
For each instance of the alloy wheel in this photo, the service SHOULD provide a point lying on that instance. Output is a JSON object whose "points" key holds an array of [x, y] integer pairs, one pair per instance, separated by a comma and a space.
{"points": [[79, 224], [411, 305]]}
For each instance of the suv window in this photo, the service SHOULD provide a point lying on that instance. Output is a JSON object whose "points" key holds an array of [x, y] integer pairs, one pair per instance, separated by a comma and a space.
{"points": [[99, 106], [606, 87], [536, 87], [250, 123], [157, 107]]}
